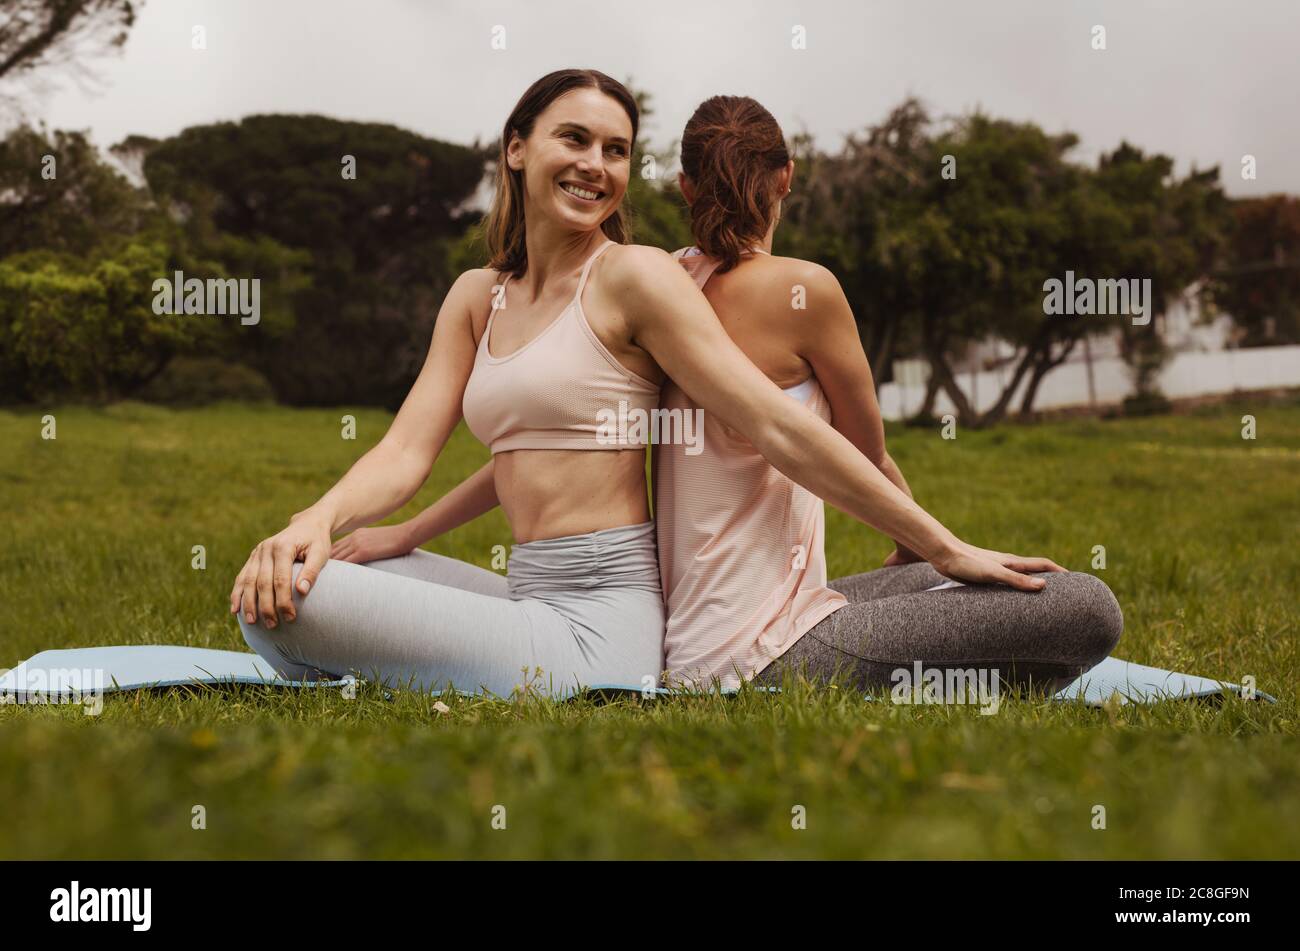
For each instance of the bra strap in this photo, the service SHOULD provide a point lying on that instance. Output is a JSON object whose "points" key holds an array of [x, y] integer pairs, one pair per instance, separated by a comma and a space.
{"points": [[586, 268], [498, 293], [686, 252]]}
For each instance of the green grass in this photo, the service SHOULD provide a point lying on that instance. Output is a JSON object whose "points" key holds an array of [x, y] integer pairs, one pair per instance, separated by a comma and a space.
{"points": [[1199, 529]]}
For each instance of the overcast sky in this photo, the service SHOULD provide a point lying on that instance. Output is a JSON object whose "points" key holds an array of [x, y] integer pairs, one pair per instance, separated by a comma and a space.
{"points": [[1206, 81]]}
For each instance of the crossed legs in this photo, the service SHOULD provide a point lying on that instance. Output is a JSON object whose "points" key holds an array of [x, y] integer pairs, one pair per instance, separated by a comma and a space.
{"points": [[1042, 640]]}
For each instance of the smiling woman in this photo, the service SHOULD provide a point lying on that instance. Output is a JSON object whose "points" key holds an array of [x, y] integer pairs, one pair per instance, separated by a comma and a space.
{"points": [[588, 104], [565, 325]]}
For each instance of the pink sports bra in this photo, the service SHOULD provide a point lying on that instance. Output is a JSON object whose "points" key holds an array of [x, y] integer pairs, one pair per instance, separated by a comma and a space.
{"points": [[561, 390]]}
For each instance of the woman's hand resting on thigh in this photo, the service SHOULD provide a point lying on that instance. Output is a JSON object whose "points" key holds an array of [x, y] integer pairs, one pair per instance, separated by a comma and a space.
{"points": [[373, 544], [967, 563], [262, 588]]}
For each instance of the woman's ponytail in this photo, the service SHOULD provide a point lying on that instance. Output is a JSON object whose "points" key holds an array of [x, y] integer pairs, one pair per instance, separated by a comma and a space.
{"points": [[731, 149]]}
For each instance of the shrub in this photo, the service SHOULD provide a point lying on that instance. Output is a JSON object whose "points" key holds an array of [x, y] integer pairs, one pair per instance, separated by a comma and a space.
{"points": [[197, 381]]}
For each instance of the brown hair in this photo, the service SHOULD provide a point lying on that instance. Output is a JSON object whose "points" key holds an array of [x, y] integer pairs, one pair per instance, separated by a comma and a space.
{"points": [[730, 150], [503, 228]]}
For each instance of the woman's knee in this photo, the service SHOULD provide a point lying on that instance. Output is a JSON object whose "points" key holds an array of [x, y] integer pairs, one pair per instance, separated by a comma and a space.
{"points": [[1093, 615], [270, 644], [282, 649], [258, 640]]}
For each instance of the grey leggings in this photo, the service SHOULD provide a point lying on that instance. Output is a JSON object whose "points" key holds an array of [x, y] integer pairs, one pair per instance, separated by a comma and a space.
{"points": [[571, 612], [1039, 640]]}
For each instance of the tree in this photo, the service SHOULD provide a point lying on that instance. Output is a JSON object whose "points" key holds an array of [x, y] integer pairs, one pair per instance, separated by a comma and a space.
{"points": [[377, 241], [57, 193], [42, 34], [1170, 231], [80, 248], [862, 212], [1259, 284], [71, 329], [657, 212], [941, 238], [1019, 215]]}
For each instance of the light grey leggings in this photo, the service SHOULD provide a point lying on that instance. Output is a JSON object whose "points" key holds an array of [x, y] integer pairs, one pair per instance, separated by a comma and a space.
{"points": [[584, 609], [1039, 640]]}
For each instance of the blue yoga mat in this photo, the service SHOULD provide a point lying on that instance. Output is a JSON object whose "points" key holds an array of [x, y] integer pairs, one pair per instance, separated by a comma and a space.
{"points": [[1135, 683], [106, 669]]}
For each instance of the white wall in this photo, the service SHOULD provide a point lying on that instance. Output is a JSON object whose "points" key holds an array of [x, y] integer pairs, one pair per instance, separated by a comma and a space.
{"points": [[1186, 374]]}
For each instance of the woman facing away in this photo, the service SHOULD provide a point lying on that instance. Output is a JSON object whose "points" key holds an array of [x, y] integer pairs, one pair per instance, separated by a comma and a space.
{"points": [[588, 323], [741, 547]]}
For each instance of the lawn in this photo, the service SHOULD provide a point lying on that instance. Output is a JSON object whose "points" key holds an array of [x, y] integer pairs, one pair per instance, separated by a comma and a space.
{"points": [[1199, 529]]}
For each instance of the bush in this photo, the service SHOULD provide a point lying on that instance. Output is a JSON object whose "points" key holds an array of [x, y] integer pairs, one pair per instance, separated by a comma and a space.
{"points": [[86, 328], [1146, 404], [197, 381]]}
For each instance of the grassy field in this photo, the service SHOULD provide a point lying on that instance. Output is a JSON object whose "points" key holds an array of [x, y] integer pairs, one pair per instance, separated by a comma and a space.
{"points": [[1199, 529]]}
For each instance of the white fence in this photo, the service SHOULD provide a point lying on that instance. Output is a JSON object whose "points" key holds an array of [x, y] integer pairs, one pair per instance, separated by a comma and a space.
{"points": [[1186, 374]]}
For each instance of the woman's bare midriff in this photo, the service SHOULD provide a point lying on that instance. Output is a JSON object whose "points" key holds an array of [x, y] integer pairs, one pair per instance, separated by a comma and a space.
{"points": [[551, 493]]}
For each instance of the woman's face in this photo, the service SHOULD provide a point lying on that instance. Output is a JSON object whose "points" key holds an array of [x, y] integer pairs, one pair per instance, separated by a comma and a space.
{"points": [[577, 161]]}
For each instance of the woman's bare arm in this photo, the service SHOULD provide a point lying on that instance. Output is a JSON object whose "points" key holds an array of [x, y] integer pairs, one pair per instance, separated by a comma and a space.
{"points": [[389, 475], [475, 496], [828, 339], [382, 480], [670, 318]]}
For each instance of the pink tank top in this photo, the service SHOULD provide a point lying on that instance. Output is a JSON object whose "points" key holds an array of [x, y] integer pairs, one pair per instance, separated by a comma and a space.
{"points": [[741, 547], [561, 390]]}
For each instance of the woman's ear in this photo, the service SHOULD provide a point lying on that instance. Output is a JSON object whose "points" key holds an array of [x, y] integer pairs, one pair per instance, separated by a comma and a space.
{"points": [[787, 177], [688, 190], [515, 153]]}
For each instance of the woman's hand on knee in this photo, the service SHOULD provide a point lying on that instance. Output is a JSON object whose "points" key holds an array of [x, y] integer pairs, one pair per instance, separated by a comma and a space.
{"points": [[264, 587], [373, 544], [982, 566]]}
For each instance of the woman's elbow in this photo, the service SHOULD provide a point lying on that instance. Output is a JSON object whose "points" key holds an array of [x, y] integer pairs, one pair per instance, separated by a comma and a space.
{"points": [[407, 467], [784, 446]]}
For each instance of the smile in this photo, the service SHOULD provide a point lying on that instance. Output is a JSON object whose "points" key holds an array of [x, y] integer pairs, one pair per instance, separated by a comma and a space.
{"points": [[577, 191]]}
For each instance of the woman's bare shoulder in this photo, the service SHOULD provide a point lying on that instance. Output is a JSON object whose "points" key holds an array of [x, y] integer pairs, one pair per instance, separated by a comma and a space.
{"points": [[476, 281], [639, 269], [469, 300], [634, 257], [780, 287], [809, 274]]}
